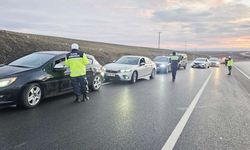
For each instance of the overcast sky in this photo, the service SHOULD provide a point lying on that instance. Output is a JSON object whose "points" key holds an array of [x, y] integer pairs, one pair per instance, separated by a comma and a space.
{"points": [[198, 23]]}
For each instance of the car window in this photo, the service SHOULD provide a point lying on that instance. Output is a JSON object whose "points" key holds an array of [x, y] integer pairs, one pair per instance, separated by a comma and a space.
{"points": [[34, 60], [142, 60], [161, 59], [60, 61], [128, 60]]}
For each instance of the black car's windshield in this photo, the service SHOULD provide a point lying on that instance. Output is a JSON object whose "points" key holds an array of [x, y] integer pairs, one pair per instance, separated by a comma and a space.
{"points": [[200, 59], [32, 61], [128, 60], [161, 59], [214, 59]]}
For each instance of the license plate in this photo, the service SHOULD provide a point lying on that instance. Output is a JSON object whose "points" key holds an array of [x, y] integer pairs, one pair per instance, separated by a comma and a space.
{"points": [[110, 74]]}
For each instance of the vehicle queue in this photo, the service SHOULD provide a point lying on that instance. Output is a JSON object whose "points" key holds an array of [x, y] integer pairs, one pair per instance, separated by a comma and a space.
{"points": [[29, 79]]}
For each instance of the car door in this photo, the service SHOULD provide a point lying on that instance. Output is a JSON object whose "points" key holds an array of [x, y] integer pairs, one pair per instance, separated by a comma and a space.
{"points": [[149, 66], [58, 81], [141, 68]]}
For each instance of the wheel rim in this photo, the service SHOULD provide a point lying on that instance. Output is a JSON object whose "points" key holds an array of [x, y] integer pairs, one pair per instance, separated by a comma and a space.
{"points": [[97, 82], [34, 95]]}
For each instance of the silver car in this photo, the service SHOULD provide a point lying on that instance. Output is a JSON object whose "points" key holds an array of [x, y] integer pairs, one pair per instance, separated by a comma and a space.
{"points": [[163, 64], [130, 68], [214, 62]]}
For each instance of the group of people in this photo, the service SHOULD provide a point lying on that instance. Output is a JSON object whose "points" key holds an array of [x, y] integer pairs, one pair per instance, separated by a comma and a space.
{"points": [[175, 62]]}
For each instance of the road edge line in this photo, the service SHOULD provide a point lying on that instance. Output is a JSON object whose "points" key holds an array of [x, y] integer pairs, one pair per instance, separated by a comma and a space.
{"points": [[171, 141], [242, 72]]}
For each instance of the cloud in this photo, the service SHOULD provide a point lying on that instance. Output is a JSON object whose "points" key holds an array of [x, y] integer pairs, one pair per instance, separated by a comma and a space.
{"points": [[132, 22]]}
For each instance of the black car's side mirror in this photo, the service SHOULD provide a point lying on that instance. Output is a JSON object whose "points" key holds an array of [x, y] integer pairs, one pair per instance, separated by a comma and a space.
{"points": [[59, 67]]}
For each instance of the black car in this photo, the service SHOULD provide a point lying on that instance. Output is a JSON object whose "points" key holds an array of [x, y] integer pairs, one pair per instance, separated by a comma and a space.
{"points": [[39, 75]]}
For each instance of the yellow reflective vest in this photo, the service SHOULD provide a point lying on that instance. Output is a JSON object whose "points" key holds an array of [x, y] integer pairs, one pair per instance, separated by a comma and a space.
{"points": [[76, 61], [230, 62]]}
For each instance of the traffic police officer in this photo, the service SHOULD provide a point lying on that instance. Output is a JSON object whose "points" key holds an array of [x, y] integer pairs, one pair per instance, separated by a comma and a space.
{"points": [[174, 65], [77, 61], [229, 65]]}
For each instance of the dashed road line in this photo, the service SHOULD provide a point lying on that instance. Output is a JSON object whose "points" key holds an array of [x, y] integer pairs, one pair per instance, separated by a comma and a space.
{"points": [[170, 143]]}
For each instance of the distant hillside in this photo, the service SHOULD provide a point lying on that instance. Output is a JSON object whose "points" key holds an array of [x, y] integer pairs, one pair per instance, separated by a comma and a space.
{"points": [[14, 45]]}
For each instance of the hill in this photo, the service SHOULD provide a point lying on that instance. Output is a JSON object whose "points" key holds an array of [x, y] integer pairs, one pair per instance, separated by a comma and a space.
{"points": [[14, 45]]}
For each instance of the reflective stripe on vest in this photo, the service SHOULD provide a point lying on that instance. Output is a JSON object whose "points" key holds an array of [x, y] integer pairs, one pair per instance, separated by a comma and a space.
{"points": [[174, 58]]}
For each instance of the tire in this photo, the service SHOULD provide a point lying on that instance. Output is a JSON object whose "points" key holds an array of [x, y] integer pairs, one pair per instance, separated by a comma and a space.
{"points": [[96, 83], [31, 96], [185, 66], [152, 76], [134, 77]]}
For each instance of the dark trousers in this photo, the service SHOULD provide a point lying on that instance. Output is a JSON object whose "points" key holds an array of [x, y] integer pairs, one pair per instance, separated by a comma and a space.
{"points": [[229, 70], [174, 70], [79, 85]]}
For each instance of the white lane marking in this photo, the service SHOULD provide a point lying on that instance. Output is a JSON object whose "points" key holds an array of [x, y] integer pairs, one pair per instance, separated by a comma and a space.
{"points": [[242, 72], [170, 143], [106, 83]]}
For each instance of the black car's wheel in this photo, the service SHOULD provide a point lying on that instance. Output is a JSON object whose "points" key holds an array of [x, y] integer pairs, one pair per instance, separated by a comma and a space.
{"points": [[31, 96], [96, 83], [133, 78], [152, 74]]}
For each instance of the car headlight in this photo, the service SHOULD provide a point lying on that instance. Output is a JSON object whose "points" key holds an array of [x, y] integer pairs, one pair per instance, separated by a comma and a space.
{"points": [[7, 81], [125, 70]]}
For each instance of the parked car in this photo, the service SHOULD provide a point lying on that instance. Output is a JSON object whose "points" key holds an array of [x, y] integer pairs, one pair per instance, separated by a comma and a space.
{"points": [[163, 64], [29, 79], [200, 63], [182, 60], [214, 62], [130, 68]]}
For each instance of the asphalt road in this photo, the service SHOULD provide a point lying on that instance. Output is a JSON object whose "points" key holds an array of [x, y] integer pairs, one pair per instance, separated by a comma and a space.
{"points": [[144, 115]]}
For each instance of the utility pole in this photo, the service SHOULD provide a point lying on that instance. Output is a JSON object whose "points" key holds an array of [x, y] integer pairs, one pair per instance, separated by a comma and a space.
{"points": [[159, 41]]}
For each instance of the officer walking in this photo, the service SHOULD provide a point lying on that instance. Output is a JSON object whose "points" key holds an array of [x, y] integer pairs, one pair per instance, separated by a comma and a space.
{"points": [[229, 65], [77, 61], [174, 65]]}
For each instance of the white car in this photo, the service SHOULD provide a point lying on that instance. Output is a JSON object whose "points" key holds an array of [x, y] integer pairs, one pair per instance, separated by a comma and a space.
{"points": [[200, 63], [130, 68], [214, 62], [163, 64]]}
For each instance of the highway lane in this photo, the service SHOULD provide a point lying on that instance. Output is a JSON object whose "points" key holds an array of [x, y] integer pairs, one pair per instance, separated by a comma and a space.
{"points": [[221, 119], [124, 116]]}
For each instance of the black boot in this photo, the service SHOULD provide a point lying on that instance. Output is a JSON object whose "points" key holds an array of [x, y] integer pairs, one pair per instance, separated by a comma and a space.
{"points": [[79, 99], [85, 97]]}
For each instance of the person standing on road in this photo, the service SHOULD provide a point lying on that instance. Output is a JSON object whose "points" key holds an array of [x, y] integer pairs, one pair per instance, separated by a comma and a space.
{"points": [[77, 61], [174, 65], [229, 65]]}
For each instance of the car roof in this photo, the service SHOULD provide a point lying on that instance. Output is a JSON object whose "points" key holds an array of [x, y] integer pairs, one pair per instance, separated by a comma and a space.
{"points": [[58, 53], [134, 56]]}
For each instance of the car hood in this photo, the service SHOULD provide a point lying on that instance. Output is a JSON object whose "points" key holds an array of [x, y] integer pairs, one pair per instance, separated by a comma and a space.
{"points": [[215, 61], [200, 62], [6, 70], [117, 67]]}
